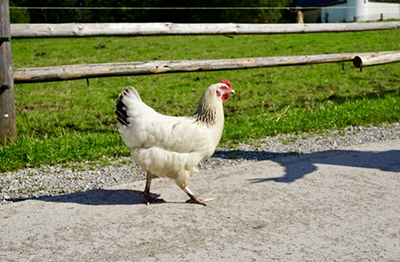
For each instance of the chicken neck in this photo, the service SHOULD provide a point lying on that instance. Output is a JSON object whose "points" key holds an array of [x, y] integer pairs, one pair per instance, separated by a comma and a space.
{"points": [[207, 109]]}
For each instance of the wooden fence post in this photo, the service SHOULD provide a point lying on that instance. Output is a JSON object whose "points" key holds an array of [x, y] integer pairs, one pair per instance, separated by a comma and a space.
{"points": [[8, 127]]}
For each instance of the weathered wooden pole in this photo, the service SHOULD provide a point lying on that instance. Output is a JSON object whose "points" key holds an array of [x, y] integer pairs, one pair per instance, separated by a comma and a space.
{"points": [[157, 29], [85, 71], [8, 127], [361, 61]]}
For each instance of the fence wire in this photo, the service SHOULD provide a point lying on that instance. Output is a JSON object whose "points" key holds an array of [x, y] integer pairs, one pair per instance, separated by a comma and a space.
{"points": [[180, 8]]}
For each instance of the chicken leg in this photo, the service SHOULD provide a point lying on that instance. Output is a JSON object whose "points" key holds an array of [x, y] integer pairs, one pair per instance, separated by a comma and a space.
{"points": [[193, 199], [146, 193]]}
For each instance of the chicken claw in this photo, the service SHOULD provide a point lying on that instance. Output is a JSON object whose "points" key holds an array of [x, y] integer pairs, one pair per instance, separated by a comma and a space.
{"points": [[146, 193], [194, 200], [200, 201], [148, 199]]}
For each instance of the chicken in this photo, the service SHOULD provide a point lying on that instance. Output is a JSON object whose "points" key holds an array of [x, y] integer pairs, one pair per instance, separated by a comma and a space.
{"points": [[168, 146]]}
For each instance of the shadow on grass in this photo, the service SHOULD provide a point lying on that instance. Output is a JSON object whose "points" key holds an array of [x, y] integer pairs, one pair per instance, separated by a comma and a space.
{"points": [[299, 165]]}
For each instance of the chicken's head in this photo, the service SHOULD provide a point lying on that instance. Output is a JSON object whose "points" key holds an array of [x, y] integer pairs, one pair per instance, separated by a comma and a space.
{"points": [[224, 89]]}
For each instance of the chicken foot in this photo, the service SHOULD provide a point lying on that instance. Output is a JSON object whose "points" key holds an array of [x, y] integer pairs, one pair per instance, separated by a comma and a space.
{"points": [[146, 193], [193, 199]]}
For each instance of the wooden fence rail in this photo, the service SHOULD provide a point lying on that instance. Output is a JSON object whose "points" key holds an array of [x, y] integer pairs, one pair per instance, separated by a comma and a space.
{"points": [[365, 60], [70, 72], [150, 29]]}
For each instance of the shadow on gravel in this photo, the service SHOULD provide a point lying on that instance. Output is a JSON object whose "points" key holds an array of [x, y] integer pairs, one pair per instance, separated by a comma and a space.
{"points": [[299, 165], [98, 197], [296, 167]]}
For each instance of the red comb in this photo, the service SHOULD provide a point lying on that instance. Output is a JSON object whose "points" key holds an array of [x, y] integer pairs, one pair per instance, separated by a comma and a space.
{"points": [[226, 82]]}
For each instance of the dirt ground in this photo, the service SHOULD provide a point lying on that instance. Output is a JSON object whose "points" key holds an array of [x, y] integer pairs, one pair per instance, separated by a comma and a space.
{"points": [[339, 205]]}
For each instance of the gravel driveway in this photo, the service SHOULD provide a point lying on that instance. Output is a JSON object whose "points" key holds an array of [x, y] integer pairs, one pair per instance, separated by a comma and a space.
{"points": [[336, 204]]}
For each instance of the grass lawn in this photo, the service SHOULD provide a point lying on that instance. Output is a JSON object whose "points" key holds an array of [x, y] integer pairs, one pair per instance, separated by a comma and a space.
{"points": [[62, 122]]}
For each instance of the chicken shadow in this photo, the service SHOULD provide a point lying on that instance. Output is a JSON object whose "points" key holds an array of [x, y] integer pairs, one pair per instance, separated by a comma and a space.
{"points": [[298, 165], [97, 197]]}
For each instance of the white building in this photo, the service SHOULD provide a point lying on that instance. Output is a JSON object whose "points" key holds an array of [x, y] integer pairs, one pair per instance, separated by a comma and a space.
{"points": [[353, 10]]}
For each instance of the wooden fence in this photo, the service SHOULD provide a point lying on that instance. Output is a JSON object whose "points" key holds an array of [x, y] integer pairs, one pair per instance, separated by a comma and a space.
{"points": [[8, 75], [8, 127], [84, 71], [162, 29]]}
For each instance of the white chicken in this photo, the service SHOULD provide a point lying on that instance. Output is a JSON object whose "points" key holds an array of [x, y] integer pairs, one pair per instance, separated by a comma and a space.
{"points": [[168, 146]]}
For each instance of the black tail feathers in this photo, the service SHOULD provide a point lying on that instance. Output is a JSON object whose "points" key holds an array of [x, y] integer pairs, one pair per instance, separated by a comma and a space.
{"points": [[121, 111]]}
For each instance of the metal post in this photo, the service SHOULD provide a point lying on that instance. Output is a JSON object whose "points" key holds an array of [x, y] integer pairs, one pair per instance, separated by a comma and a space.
{"points": [[8, 127]]}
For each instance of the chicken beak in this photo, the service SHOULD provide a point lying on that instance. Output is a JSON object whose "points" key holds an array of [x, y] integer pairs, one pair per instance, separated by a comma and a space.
{"points": [[232, 91]]}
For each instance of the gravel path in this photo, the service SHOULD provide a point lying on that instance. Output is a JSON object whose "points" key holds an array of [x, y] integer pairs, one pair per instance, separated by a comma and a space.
{"points": [[334, 205], [55, 180]]}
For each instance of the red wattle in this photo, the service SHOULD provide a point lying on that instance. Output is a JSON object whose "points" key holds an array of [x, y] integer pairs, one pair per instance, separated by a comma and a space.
{"points": [[225, 97]]}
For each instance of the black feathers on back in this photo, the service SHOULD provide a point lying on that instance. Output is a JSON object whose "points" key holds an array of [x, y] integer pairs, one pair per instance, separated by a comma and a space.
{"points": [[121, 112]]}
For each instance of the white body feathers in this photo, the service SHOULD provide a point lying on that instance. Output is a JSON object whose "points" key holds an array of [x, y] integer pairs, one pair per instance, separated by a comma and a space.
{"points": [[167, 146]]}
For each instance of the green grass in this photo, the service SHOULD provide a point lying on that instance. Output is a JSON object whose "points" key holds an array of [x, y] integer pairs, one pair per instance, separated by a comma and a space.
{"points": [[65, 122]]}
